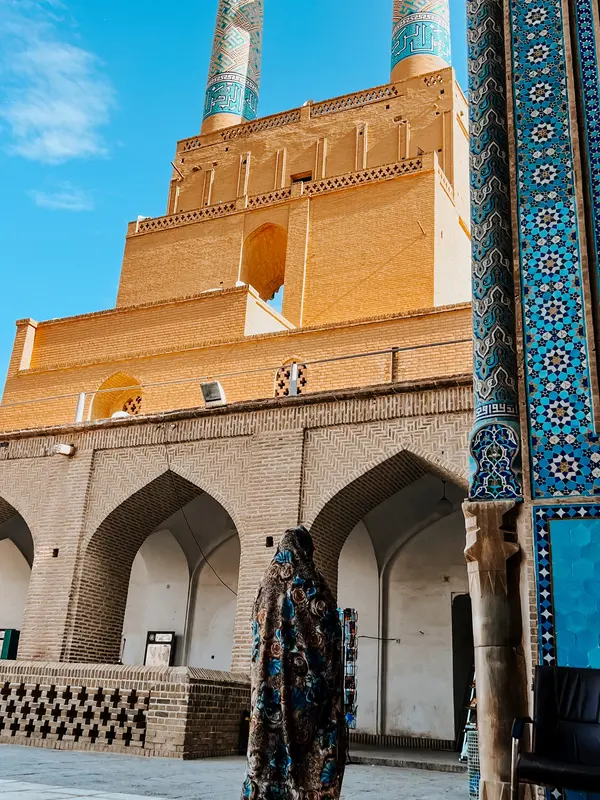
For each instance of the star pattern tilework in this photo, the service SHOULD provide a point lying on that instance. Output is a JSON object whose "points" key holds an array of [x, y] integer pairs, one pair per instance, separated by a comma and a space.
{"points": [[565, 458], [590, 91]]}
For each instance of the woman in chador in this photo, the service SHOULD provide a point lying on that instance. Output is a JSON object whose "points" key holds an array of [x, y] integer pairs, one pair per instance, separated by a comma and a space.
{"points": [[297, 741]]}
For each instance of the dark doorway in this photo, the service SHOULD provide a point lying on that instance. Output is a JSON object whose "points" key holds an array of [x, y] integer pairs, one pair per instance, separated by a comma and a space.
{"points": [[463, 658]]}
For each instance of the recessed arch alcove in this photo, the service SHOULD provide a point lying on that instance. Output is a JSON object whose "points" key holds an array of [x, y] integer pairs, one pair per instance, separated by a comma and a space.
{"points": [[16, 561], [263, 259], [143, 569], [120, 392]]}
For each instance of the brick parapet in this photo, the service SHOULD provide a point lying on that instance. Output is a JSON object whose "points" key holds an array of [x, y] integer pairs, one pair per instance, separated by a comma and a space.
{"points": [[174, 712], [411, 398]]}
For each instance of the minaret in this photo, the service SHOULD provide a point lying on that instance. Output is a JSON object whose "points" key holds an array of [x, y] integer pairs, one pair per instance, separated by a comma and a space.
{"points": [[234, 74], [421, 38]]}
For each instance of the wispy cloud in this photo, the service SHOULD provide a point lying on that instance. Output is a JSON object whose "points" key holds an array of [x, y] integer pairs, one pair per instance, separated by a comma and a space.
{"points": [[66, 198], [54, 99]]}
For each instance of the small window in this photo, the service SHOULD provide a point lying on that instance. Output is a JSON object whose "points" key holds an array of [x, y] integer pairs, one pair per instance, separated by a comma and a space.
{"points": [[302, 177], [291, 379]]}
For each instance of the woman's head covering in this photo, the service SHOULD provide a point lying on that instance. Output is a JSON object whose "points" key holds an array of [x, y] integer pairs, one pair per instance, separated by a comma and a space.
{"points": [[297, 740]]}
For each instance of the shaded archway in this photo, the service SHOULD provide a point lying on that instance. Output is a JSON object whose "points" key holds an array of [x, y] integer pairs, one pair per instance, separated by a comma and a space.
{"points": [[399, 534], [342, 512], [213, 606], [263, 259], [119, 393], [104, 582], [157, 596], [16, 561]]}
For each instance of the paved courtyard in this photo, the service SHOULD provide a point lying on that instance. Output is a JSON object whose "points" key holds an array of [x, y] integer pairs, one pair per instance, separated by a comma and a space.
{"points": [[29, 773]]}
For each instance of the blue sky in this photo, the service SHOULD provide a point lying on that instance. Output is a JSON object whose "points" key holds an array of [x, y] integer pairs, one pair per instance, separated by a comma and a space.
{"points": [[95, 93]]}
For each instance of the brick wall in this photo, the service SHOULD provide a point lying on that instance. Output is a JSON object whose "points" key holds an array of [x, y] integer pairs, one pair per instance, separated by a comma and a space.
{"points": [[172, 712], [189, 359], [270, 465]]}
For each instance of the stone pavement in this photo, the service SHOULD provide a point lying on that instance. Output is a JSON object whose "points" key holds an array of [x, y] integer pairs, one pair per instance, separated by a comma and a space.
{"points": [[31, 773]]}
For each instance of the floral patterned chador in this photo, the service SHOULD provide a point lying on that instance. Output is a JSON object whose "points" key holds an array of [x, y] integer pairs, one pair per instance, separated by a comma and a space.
{"points": [[297, 744]]}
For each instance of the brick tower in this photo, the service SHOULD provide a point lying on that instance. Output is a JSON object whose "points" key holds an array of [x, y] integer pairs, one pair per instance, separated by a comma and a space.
{"points": [[354, 210], [291, 342]]}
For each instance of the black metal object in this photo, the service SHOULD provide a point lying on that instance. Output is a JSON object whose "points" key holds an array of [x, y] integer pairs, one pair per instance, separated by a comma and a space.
{"points": [[566, 732]]}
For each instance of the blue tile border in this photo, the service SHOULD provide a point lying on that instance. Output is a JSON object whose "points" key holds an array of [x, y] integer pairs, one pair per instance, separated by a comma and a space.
{"points": [[542, 517], [565, 458]]}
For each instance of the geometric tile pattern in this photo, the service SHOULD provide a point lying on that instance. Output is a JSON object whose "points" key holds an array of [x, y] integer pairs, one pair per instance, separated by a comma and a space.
{"points": [[565, 458], [87, 715], [567, 552], [590, 92], [421, 27], [234, 74], [495, 441]]}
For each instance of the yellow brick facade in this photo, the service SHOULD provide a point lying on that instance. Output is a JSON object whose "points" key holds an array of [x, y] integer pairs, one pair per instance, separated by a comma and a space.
{"points": [[357, 207]]}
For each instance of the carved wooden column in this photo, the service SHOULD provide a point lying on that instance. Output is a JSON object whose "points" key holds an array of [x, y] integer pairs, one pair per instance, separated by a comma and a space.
{"points": [[499, 669]]}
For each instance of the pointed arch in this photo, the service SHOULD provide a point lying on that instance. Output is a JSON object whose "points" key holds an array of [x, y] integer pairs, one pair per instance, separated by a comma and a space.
{"points": [[263, 259], [119, 392], [98, 612]]}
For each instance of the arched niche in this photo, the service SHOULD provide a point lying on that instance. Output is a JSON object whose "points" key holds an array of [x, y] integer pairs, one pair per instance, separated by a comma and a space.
{"points": [[263, 259], [358, 588], [213, 607], [119, 393], [419, 585], [16, 560], [401, 565], [157, 596]]}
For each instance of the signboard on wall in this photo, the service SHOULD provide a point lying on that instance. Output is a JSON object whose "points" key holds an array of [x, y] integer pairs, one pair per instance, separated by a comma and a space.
{"points": [[160, 649]]}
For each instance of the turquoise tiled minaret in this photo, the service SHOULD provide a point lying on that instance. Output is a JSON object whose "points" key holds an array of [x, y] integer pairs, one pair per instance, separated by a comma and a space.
{"points": [[421, 37], [234, 74]]}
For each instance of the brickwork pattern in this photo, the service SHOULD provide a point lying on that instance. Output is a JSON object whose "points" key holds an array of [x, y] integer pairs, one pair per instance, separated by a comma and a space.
{"points": [[270, 466], [349, 471], [171, 712], [86, 714]]}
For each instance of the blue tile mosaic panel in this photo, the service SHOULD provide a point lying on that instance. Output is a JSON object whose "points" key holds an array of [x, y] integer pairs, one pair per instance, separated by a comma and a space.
{"points": [[565, 458], [567, 550], [590, 91], [576, 586]]}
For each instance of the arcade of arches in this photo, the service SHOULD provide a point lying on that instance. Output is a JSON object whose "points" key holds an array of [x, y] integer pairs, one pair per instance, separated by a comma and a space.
{"points": [[168, 556]]}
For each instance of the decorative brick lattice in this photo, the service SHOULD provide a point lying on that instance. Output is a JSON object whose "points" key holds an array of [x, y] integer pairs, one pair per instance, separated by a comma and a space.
{"points": [[278, 196], [353, 100], [284, 377], [264, 124], [187, 218], [133, 405], [433, 80], [79, 714], [364, 176], [246, 129], [385, 172]]}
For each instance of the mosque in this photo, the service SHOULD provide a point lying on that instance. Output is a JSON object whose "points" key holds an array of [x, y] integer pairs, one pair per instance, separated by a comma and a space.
{"points": [[200, 417], [293, 342]]}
